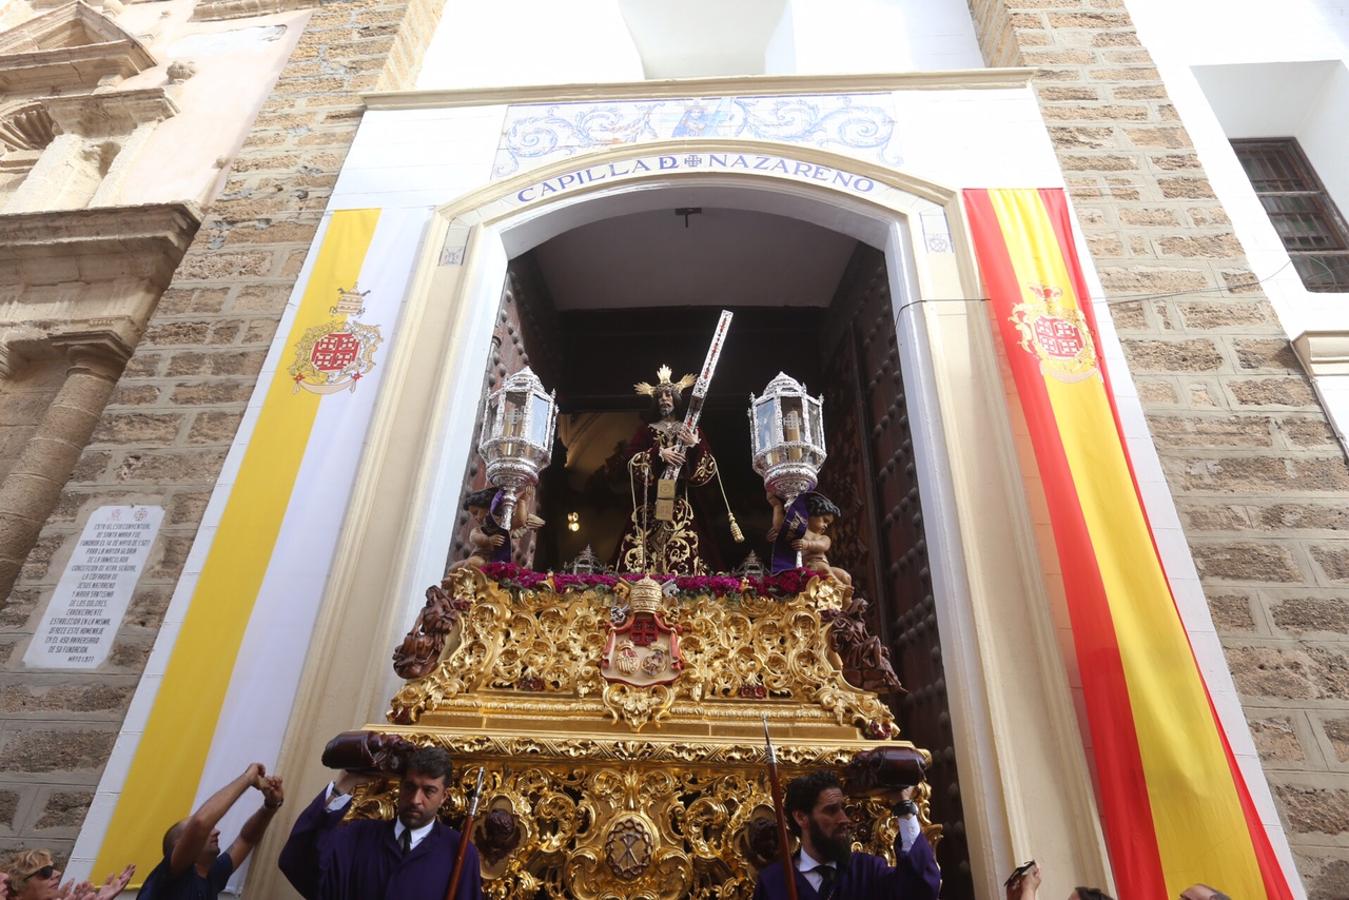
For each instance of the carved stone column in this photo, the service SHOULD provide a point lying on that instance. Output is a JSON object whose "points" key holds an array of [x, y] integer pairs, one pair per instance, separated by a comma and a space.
{"points": [[33, 485]]}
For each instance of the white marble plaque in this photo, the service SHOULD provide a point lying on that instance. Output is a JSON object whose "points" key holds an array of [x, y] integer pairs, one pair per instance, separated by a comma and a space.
{"points": [[81, 621]]}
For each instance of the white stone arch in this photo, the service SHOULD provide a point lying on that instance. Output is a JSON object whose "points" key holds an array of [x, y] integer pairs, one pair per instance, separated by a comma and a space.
{"points": [[1025, 785]]}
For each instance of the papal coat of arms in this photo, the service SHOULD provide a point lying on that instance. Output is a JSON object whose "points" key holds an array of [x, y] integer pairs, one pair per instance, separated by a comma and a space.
{"points": [[1057, 334], [642, 650], [337, 354]]}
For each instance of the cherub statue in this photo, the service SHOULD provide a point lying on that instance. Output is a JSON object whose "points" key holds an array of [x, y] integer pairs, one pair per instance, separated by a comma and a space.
{"points": [[491, 541], [804, 529]]}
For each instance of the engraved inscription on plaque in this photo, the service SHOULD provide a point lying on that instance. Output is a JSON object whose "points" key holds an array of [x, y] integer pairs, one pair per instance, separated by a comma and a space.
{"points": [[81, 621]]}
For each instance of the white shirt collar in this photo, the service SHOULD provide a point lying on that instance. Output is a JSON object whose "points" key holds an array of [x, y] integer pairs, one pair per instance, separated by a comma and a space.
{"points": [[417, 833], [805, 862]]}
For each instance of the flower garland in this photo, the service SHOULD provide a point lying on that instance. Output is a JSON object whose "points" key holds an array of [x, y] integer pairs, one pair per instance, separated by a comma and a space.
{"points": [[784, 584]]}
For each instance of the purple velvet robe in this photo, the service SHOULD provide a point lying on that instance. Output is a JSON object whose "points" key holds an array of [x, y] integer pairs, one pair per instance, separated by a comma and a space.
{"points": [[326, 859], [866, 877], [491, 528], [793, 528]]}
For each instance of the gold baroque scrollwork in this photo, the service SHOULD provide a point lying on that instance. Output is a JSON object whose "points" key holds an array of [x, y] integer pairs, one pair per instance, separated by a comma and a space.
{"points": [[547, 645], [602, 831]]}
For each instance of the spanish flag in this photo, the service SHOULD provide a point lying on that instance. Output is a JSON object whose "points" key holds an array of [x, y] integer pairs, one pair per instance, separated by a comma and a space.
{"points": [[1174, 805]]}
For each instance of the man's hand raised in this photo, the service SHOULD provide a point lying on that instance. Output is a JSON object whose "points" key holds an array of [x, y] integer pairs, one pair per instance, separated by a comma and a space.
{"points": [[273, 794], [115, 884], [255, 775], [348, 781]]}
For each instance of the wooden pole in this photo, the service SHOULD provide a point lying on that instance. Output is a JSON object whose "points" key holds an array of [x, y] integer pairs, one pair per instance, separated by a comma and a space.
{"points": [[465, 837], [788, 870]]}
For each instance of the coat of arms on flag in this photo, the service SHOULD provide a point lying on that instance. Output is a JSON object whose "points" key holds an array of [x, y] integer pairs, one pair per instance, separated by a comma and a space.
{"points": [[339, 353], [1057, 333]]}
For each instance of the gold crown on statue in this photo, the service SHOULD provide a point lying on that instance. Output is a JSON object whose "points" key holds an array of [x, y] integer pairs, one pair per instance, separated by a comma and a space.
{"points": [[645, 596], [665, 384]]}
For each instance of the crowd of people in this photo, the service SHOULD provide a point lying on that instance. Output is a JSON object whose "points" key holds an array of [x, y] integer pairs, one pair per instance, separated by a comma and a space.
{"points": [[1025, 885], [417, 857]]}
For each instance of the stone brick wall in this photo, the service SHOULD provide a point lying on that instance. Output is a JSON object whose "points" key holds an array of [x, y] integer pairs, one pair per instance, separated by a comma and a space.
{"points": [[24, 397], [1259, 480], [174, 412]]}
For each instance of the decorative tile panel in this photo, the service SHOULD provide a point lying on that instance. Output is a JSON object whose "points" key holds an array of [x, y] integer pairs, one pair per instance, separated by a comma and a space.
{"points": [[860, 125]]}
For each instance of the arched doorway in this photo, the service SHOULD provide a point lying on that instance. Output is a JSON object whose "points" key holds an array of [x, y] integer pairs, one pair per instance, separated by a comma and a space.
{"points": [[1008, 700]]}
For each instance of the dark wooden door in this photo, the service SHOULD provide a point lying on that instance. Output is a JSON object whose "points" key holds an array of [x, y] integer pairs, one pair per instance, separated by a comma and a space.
{"points": [[872, 477]]}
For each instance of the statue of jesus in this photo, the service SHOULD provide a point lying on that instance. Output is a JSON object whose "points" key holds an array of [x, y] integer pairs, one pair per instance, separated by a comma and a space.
{"points": [[663, 534]]}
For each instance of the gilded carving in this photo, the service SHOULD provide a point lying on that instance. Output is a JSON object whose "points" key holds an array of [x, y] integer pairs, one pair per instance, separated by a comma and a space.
{"points": [[733, 648], [603, 830]]}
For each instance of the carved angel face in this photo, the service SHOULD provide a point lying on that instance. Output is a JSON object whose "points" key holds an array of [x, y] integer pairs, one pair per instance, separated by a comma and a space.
{"points": [[819, 524]]}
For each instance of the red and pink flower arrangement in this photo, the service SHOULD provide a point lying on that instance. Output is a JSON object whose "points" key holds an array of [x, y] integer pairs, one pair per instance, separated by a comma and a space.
{"points": [[783, 584]]}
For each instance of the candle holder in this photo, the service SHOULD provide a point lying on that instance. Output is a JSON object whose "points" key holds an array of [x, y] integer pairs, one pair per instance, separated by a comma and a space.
{"points": [[787, 437], [517, 441]]}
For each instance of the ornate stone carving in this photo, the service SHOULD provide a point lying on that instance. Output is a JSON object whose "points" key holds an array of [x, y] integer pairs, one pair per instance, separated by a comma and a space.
{"points": [[71, 47], [28, 127]]}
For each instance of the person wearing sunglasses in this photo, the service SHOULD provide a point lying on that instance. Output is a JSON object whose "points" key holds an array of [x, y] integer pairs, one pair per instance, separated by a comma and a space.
{"points": [[33, 875]]}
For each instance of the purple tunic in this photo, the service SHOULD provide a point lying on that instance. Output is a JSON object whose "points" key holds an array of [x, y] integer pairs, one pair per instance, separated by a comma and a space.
{"points": [[327, 860], [491, 528], [866, 877], [793, 529]]}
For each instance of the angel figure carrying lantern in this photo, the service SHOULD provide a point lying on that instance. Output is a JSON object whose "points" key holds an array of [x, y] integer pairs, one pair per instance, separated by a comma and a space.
{"points": [[787, 437]]}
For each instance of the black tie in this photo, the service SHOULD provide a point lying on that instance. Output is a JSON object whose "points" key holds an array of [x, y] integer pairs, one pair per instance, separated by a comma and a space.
{"points": [[826, 873], [405, 841]]}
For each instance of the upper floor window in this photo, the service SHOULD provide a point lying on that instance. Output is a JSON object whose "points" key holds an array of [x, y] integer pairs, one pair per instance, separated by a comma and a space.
{"points": [[1306, 219]]}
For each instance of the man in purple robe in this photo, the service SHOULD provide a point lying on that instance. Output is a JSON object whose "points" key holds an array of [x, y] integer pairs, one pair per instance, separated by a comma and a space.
{"points": [[411, 858], [825, 868]]}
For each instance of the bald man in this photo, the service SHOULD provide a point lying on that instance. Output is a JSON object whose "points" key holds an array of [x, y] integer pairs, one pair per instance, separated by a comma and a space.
{"points": [[193, 867]]}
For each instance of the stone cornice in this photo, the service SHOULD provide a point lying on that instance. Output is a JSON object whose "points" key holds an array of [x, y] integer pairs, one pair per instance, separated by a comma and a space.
{"points": [[68, 67], [165, 228], [116, 112], [1323, 352], [99, 48], [214, 10], [741, 86]]}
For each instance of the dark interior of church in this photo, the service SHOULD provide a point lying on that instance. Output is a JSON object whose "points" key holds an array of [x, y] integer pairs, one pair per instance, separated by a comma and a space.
{"points": [[561, 315]]}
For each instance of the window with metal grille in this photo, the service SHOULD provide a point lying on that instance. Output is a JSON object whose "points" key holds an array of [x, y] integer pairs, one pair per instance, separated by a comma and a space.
{"points": [[1306, 219]]}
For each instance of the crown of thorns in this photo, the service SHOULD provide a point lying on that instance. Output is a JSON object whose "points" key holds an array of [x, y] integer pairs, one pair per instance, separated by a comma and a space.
{"points": [[665, 384]]}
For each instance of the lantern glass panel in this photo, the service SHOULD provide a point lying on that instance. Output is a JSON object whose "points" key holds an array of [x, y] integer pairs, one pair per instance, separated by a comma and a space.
{"points": [[792, 420], [764, 436], [816, 422], [538, 421], [514, 412]]}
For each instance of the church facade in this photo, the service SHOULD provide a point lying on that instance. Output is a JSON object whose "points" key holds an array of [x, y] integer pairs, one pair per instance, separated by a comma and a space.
{"points": [[266, 260]]}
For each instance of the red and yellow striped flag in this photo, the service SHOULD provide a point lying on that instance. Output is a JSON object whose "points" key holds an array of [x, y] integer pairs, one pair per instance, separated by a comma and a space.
{"points": [[1175, 808]]}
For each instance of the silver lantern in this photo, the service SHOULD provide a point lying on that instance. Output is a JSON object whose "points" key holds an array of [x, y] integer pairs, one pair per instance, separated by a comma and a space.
{"points": [[517, 437], [787, 435]]}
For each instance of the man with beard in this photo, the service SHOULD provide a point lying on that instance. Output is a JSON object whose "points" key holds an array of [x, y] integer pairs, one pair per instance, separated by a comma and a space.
{"points": [[370, 859], [825, 868]]}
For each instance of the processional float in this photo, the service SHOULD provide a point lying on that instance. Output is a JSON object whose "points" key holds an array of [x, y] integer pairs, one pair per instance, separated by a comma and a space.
{"points": [[618, 721]]}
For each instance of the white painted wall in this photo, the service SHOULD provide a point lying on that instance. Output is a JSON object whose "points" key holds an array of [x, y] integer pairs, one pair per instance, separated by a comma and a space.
{"points": [[833, 36], [524, 42], [1252, 68], [517, 42]]}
